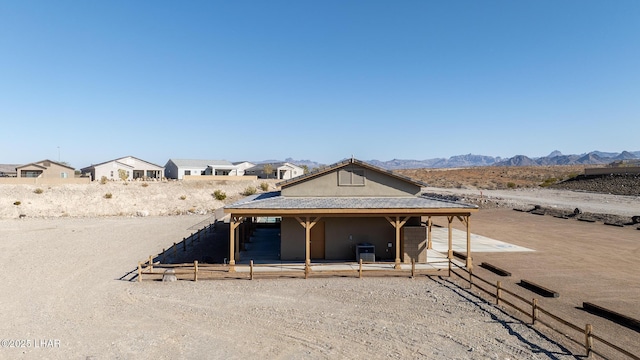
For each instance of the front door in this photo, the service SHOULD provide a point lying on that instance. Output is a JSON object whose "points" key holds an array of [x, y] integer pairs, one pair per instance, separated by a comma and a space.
{"points": [[317, 241]]}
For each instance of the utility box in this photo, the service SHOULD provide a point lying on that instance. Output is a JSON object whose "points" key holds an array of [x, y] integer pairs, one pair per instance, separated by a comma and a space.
{"points": [[366, 252], [414, 244]]}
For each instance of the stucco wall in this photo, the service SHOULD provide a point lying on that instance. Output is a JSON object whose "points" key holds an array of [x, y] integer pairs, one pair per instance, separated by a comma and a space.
{"points": [[341, 237], [376, 184], [45, 181]]}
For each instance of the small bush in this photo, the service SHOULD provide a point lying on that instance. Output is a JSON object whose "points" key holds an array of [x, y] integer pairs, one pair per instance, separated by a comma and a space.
{"points": [[264, 186], [108, 196], [183, 197], [17, 203], [250, 190], [511, 185], [145, 184], [549, 182], [38, 191], [103, 180], [219, 195]]}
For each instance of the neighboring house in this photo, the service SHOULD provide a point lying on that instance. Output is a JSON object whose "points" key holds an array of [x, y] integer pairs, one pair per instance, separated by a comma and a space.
{"points": [[327, 214], [8, 170], [132, 167], [241, 167], [279, 170], [45, 169], [178, 168]]}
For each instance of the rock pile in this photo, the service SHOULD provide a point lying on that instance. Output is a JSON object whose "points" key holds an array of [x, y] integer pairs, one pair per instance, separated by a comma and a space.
{"points": [[616, 184]]}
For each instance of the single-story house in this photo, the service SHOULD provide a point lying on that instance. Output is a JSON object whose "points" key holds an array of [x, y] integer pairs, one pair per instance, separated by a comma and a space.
{"points": [[8, 170], [131, 167], [330, 213], [45, 169], [178, 168], [241, 167], [278, 170]]}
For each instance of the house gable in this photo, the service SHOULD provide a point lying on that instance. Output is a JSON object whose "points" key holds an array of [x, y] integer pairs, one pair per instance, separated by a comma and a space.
{"points": [[351, 179]]}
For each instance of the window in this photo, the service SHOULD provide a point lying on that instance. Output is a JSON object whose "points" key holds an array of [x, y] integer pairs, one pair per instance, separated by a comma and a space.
{"points": [[63, 175], [351, 177], [111, 173], [187, 172]]}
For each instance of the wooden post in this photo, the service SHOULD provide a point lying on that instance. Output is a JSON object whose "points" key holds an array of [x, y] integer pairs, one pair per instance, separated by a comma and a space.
{"points": [[588, 340], [360, 270], [413, 268], [251, 269], [498, 291], [139, 271], [534, 311], [306, 270], [429, 225], [195, 270], [151, 262]]}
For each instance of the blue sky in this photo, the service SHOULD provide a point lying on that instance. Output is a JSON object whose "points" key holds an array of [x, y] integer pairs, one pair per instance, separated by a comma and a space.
{"points": [[89, 81]]}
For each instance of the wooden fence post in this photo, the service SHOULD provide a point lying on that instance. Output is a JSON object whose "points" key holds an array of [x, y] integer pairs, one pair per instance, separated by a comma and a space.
{"points": [[139, 271], [360, 269], [498, 291], [251, 269], [151, 262], [413, 268], [588, 340], [534, 311], [195, 270]]}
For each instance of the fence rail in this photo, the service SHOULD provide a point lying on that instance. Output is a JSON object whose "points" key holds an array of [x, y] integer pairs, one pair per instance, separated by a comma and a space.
{"points": [[536, 310]]}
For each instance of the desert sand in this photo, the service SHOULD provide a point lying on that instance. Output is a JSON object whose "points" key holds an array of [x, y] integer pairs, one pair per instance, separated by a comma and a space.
{"points": [[64, 294]]}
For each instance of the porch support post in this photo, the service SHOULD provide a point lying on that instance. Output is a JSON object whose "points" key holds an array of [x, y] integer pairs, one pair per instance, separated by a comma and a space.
{"points": [[307, 224], [450, 234], [469, 261], [234, 222], [398, 224], [429, 243]]}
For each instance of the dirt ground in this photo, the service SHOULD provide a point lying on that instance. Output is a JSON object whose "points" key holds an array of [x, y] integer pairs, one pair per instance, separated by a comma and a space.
{"points": [[584, 262], [63, 298]]}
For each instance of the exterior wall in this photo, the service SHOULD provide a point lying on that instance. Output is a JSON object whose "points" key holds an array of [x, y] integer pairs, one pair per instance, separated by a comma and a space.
{"points": [[171, 170], [414, 240], [44, 181], [291, 240], [218, 178], [376, 184], [341, 237], [288, 171], [110, 171]]}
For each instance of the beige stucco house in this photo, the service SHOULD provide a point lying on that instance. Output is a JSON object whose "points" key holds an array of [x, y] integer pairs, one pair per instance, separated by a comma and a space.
{"points": [[330, 214], [132, 167], [45, 169]]}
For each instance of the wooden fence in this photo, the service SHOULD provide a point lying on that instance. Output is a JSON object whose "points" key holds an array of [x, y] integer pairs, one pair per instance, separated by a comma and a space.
{"points": [[532, 310], [155, 270]]}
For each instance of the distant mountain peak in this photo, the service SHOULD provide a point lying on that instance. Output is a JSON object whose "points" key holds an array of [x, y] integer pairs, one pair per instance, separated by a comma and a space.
{"points": [[554, 153]]}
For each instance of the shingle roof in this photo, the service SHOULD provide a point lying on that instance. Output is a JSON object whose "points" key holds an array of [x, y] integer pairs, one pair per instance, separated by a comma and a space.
{"points": [[274, 200], [199, 163]]}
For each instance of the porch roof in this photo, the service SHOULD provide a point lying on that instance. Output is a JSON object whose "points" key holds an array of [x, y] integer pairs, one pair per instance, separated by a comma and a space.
{"points": [[274, 202]]}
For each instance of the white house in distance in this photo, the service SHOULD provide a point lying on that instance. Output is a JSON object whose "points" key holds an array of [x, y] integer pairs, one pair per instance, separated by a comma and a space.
{"points": [[133, 167], [280, 170], [178, 168]]}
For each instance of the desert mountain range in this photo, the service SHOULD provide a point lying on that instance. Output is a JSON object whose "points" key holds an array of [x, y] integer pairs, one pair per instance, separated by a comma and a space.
{"points": [[470, 160]]}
